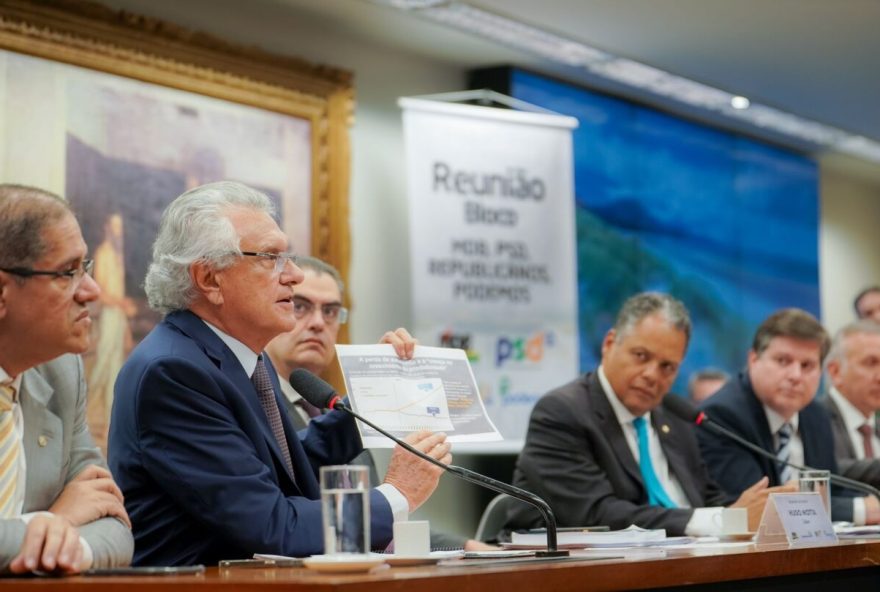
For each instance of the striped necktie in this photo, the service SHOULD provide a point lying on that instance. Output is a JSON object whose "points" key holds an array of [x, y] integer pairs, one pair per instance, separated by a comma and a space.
{"points": [[266, 393], [657, 496], [10, 452], [783, 452]]}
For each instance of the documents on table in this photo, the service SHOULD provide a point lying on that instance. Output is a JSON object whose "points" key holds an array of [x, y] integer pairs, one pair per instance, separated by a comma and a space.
{"points": [[435, 391], [631, 536]]}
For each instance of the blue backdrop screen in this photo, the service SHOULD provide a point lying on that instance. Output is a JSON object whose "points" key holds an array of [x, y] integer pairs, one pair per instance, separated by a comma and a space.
{"points": [[727, 224]]}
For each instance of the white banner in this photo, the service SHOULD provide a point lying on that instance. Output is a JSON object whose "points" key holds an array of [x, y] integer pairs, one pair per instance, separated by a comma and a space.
{"points": [[493, 249]]}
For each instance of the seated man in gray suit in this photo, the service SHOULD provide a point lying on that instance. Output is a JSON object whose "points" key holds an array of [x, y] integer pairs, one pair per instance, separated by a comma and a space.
{"points": [[317, 305], [853, 367], [60, 509], [601, 450]]}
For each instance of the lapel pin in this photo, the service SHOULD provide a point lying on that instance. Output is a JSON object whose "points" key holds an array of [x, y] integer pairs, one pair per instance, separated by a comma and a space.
{"points": [[664, 428], [42, 441]]}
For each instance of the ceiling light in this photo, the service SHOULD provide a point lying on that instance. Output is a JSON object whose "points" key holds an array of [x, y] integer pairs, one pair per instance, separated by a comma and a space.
{"points": [[739, 102], [525, 37]]}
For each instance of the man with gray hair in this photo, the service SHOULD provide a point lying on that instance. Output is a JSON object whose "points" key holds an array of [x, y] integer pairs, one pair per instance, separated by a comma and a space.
{"points": [[60, 510], [603, 451], [853, 369], [199, 440], [771, 404]]}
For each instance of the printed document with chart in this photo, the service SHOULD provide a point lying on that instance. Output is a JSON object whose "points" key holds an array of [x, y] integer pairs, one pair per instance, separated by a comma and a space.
{"points": [[435, 391]]}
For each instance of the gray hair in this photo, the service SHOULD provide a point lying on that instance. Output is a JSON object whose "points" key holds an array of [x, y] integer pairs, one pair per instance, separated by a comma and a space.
{"points": [[838, 344], [320, 266], [646, 304], [196, 227], [25, 212]]}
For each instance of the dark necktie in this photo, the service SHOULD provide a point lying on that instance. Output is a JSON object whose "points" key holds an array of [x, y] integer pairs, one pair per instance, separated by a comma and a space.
{"points": [[310, 409], [867, 433], [783, 452], [270, 406]]}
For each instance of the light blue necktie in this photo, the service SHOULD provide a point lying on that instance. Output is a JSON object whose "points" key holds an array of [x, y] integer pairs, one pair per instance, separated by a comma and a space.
{"points": [[656, 494]]}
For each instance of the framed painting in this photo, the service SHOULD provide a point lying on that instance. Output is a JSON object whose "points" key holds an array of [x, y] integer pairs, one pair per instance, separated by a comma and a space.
{"points": [[122, 113]]}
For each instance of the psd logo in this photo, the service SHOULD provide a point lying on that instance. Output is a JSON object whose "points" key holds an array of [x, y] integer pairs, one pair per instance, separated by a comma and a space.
{"points": [[522, 349]]}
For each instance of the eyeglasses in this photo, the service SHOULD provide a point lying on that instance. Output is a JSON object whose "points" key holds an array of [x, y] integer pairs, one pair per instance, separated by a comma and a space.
{"points": [[76, 274], [280, 259], [332, 313]]}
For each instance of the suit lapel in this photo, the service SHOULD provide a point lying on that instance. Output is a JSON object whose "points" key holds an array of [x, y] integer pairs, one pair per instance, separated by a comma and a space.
{"points": [[839, 427], [302, 468], [761, 427], [671, 443], [229, 365], [612, 429], [42, 442]]}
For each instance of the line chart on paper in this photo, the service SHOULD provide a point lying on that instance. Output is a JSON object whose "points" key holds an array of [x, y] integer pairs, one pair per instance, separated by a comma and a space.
{"points": [[403, 404]]}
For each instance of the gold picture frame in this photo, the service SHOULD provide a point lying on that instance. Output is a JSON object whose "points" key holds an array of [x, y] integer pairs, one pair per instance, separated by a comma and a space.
{"points": [[94, 38], [117, 42]]}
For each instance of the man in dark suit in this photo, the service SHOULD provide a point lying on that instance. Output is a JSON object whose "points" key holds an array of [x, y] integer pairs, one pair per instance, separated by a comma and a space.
{"points": [[602, 451], [772, 405], [59, 507], [853, 368], [199, 440]]}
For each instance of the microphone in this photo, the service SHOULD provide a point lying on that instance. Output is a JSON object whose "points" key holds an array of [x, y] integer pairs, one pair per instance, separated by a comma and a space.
{"points": [[322, 395], [684, 409]]}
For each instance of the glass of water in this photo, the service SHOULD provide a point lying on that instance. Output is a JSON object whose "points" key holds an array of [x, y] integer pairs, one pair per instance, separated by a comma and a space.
{"points": [[345, 509], [817, 482]]}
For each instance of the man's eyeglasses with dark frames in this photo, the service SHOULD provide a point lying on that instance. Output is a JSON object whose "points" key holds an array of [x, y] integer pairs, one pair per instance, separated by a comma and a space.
{"points": [[280, 259], [332, 313], [87, 266]]}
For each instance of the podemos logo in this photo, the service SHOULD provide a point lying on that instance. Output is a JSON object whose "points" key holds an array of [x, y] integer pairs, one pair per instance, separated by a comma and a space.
{"points": [[522, 349]]}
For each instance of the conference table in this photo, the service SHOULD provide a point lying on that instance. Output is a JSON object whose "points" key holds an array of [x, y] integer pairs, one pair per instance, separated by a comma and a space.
{"points": [[855, 564]]}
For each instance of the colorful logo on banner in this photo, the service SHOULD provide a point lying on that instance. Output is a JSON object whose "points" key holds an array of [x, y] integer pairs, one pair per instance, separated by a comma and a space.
{"points": [[522, 350]]}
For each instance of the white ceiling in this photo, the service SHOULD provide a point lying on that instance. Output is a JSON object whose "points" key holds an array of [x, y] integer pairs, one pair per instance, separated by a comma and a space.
{"points": [[813, 58]]}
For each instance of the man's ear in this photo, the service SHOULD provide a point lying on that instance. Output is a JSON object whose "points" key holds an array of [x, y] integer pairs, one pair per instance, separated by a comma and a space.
{"points": [[833, 368], [752, 357], [205, 279], [5, 281], [608, 342]]}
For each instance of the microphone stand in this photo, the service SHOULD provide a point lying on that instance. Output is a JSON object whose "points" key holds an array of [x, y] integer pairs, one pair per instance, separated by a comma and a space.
{"points": [[704, 421], [478, 479]]}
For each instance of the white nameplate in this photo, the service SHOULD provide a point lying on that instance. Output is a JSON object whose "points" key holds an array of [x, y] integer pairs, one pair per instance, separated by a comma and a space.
{"points": [[798, 518]]}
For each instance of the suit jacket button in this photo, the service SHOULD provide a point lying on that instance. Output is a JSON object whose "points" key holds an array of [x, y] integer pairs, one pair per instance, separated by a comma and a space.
{"points": [[42, 441]]}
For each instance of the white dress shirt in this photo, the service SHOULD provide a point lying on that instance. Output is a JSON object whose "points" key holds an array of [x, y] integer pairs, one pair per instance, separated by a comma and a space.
{"points": [[704, 521], [248, 360]]}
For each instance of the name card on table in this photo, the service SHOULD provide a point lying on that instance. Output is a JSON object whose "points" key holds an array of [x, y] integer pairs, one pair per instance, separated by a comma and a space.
{"points": [[795, 518]]}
